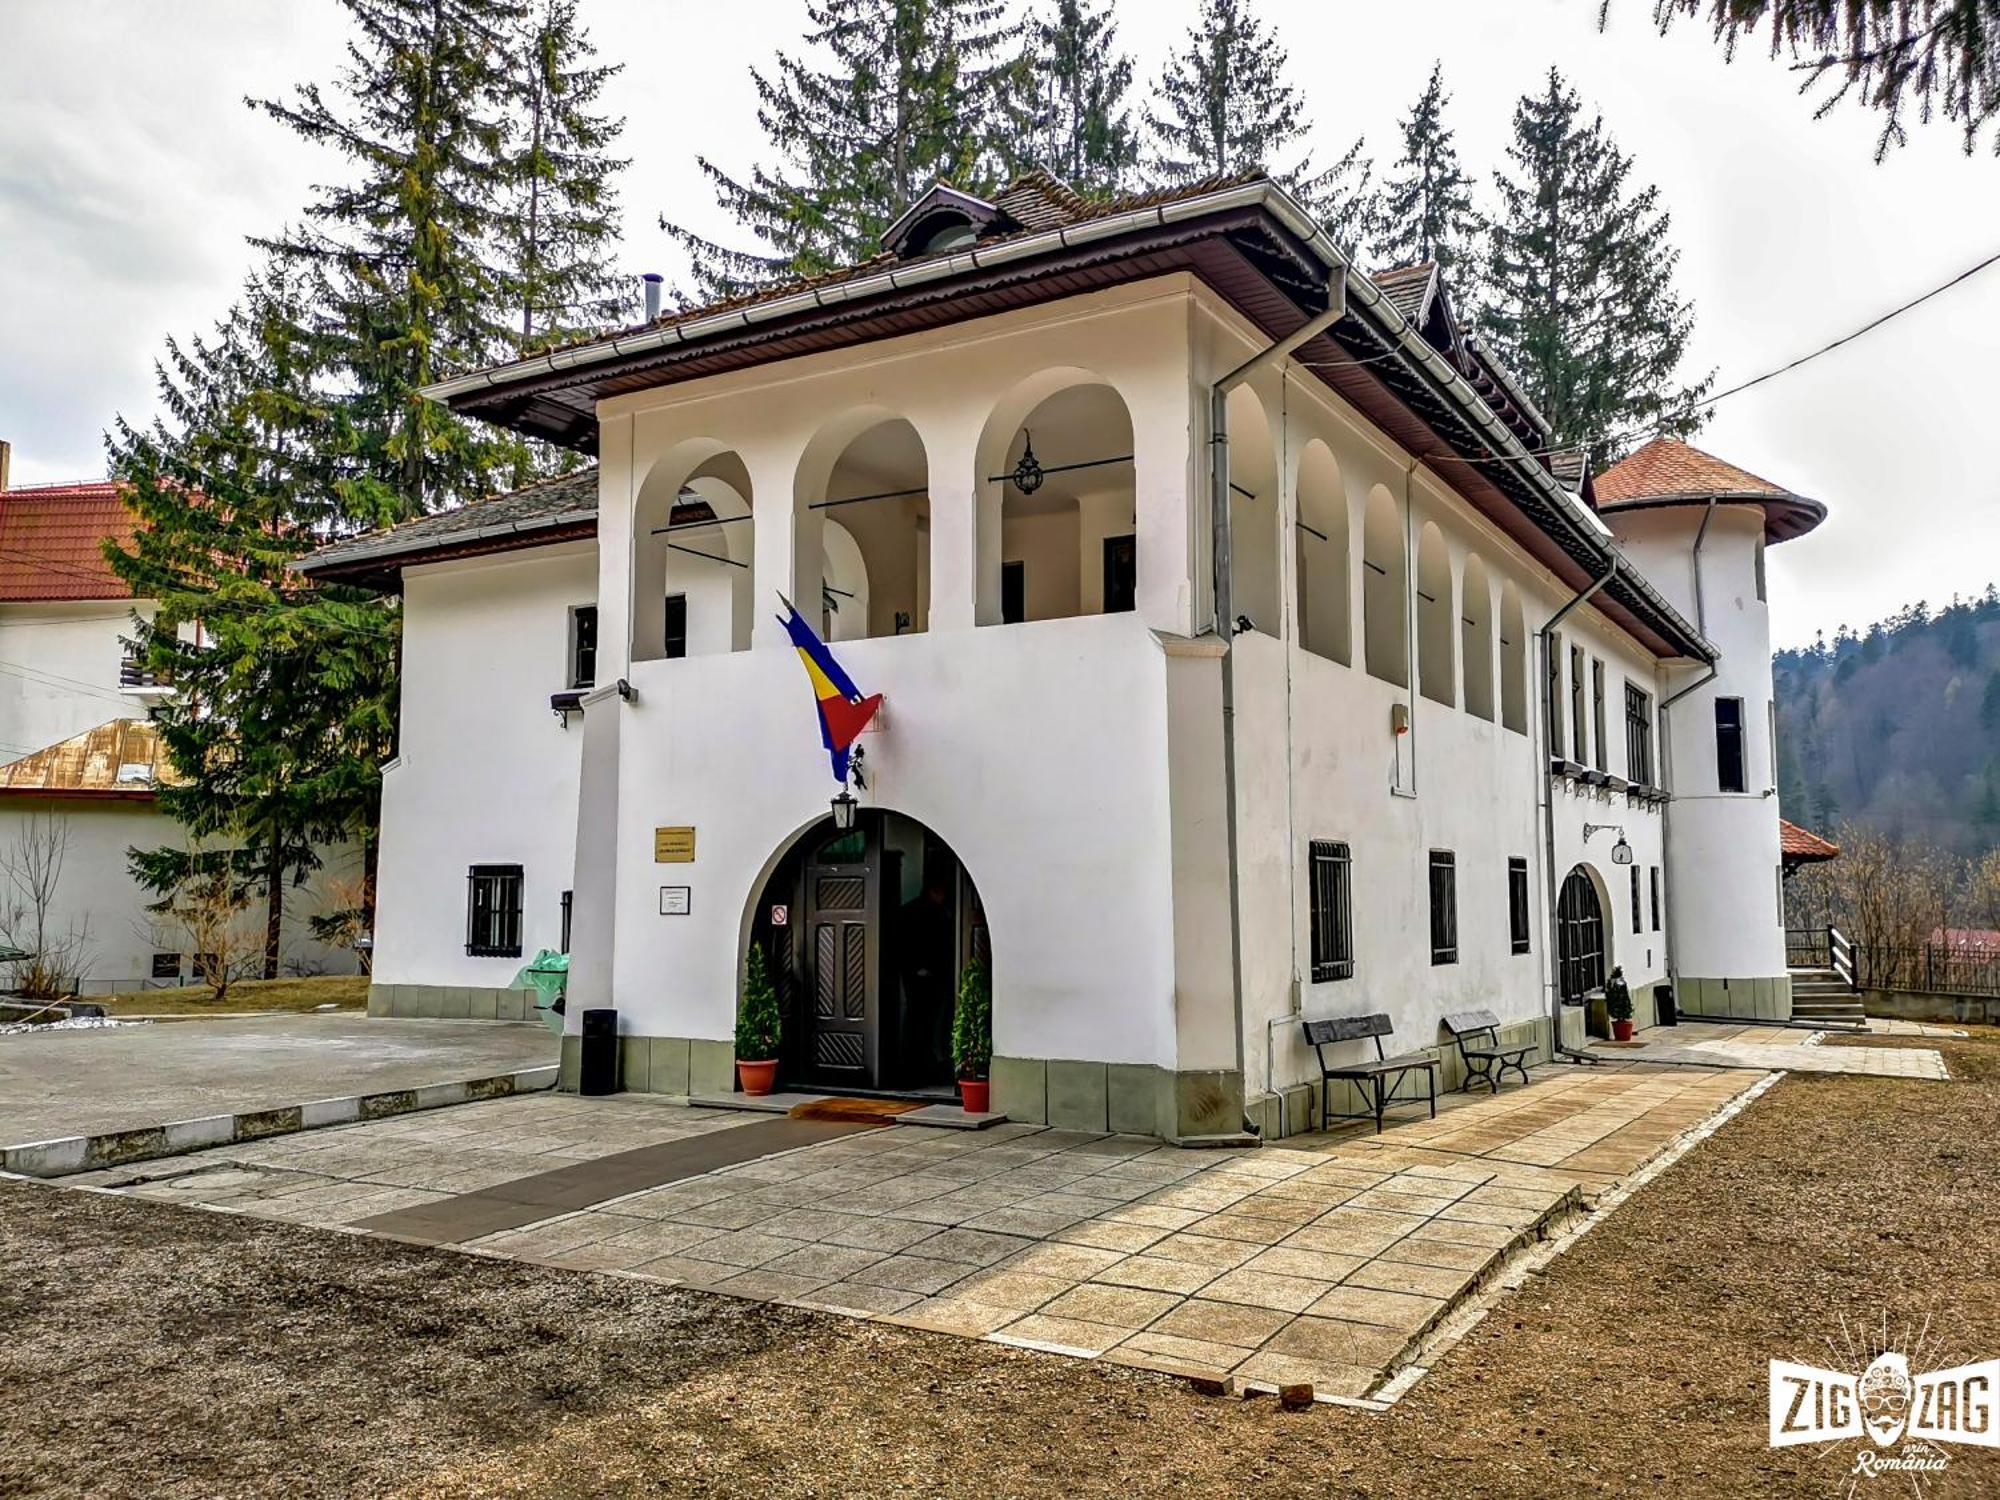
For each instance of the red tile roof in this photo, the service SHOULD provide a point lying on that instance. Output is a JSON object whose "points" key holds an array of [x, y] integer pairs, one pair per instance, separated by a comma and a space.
{"points": [[52, 542], [1796, 843], [1667, 466]]}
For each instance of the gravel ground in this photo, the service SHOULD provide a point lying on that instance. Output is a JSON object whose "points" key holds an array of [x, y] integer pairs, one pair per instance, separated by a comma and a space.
{"points": [[160, 1351]]}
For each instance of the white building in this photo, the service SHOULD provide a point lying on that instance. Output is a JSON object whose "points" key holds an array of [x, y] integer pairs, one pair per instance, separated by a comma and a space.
{"points": [[989, 462], [79, 761]]}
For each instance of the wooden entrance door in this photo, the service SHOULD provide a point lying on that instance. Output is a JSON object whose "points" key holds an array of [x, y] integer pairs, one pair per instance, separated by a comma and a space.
{"points": [[843, 961]]}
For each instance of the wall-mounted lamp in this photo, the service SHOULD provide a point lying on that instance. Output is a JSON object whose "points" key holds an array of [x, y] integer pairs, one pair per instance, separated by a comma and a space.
{"points": [[1399, 718], [1621, 852], [843, 810]]}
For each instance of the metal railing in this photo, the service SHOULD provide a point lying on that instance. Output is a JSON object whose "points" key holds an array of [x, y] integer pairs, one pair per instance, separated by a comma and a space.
{"points": [[1808, 948], [1933, 968], [133, 673], [1840, 955]]}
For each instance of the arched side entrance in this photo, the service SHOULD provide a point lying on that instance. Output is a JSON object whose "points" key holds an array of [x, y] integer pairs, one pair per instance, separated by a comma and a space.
{"points": [[1580, 937], [866, 932]]}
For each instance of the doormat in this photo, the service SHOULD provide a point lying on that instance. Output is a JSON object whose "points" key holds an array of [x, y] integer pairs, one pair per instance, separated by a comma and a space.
{"points": [[860, 1111]]}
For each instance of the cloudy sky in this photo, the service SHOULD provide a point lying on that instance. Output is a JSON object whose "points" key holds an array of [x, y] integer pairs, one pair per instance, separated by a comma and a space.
{"points": [[130, 171]]}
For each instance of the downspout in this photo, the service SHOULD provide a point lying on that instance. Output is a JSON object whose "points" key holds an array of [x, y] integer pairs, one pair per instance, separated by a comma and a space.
{"points": [[1545, 635], [1225, 615], [1667, 745]]}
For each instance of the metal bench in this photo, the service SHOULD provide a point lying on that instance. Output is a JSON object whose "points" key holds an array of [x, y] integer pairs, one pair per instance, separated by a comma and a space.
{"points": [[1377, 1080], [1488, 1061]]}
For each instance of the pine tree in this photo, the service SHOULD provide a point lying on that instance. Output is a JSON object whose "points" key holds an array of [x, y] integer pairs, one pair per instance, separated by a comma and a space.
{"points": [[1076, 123], [1224, 106], [1582, 305], [901, 94], [282, 709], [409, 283], [562, 220], [1426, 210]]}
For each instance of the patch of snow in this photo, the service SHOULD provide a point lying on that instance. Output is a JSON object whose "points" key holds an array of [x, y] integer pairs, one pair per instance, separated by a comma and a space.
{"points": [[75, 1023]]}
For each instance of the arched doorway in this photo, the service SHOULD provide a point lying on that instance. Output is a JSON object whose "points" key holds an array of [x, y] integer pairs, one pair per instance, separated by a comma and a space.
{"points": [[1579, 937], [866, 931]]}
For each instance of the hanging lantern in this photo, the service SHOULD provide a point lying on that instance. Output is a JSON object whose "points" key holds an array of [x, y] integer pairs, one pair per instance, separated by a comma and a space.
{"points": [[843, 810], [1027, 475]]}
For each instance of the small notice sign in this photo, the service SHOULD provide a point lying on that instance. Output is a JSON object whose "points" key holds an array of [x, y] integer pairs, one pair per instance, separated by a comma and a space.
{"points": [[676, 900], [780, 915], [673, 846]]}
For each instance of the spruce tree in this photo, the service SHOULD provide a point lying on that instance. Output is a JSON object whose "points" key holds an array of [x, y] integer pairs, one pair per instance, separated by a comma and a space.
{"points": [[890, 96], [1224, 107], [1076, 122], [1580, 283], [562, 220], [283, 699], [1427, 211], [409, 282]]}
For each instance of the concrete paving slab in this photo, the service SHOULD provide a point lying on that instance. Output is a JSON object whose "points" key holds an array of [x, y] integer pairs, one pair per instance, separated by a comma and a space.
{"points": [[77, 1083]]}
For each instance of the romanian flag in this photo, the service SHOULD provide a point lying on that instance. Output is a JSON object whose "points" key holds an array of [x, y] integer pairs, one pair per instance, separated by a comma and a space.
{"points": [[843, 712]]}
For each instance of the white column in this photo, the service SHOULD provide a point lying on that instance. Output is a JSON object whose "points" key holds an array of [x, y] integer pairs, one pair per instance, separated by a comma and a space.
{"points": [[777, 549], [959, 540]]}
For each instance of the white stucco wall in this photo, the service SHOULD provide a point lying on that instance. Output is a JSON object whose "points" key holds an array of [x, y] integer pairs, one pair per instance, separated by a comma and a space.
{"points": [[59, 671], [97, 896], [484, 773]]}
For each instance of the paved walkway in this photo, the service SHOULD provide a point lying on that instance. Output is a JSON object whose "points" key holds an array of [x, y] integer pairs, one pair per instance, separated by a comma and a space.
{"points": [[1770, 1049], [64, 1083], [1324, 1259]]}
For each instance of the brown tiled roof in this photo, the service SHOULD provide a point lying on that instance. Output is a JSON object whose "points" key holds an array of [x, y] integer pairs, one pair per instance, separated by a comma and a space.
{"points": [[123, 758], [518, 518], [1667, 466], [52, 542], [1796, 843], [1408, 288]]}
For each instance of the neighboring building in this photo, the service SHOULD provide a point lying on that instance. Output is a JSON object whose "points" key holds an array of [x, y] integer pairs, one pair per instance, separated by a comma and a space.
{"points": [[1409, 781], [79, 762]]}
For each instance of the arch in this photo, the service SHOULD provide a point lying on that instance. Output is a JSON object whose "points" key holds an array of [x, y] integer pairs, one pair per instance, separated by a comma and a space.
{"points": [[1583, 939], [1435, 677], [861, 518], [1475, 627], [1319, 555], [1067, 544], [1254, 554], [879, 923], [1513, 661], [1385, 604], [693, 538]]}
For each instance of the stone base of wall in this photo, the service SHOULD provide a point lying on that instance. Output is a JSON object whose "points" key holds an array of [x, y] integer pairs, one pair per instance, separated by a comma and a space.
{"points": [[660, 1065], [1122, 1098], [450, 1002], [1735, 999], [1920, 1005]]}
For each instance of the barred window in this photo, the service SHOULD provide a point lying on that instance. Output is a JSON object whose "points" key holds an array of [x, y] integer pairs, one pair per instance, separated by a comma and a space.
{"points": [[1517, 905], [1638, 735], [1444, 907], [1332, 912], [493, 911], [1638, 924], [1655, 872]]}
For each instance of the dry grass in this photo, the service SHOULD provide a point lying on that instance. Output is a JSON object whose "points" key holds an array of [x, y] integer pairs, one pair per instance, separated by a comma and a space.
{"points": [[201, 1354], [348, 991]]}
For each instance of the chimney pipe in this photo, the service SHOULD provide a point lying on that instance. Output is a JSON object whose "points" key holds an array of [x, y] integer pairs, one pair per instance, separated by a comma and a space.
{"points": [[652, 280], [6, 457]]}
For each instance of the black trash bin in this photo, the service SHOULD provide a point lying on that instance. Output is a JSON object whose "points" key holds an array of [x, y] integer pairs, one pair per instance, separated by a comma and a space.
{"points": [[597, 1062], [1663, 1005]]}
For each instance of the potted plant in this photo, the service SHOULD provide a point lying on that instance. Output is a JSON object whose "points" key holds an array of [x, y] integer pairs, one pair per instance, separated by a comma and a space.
{"points": [[757, 1027], [972, 1037], [1618, 1003]]}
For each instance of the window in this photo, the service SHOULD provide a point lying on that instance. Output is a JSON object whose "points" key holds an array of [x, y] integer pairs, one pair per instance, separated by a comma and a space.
{"points": [[1332, 912], [1555, 696], [677, 625], [1638, 922], [1013, 593], [1121, 574], [568, 906], [1760, 568], [493, 911], [1603, 761], [1444, 907], [167, 966], [1517, 905], [1579, 729], [1771, 726], [1638, 735], [583, 646], [1729, 773], [1655, 873]]}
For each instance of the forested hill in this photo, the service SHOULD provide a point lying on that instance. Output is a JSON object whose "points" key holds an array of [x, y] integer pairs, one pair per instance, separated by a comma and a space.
{"points": [[1897, 729]]}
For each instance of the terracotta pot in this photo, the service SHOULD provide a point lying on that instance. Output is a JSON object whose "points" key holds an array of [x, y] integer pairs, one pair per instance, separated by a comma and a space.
{"points": [[976, 1094], [1621, 1031], [757, 1077]]}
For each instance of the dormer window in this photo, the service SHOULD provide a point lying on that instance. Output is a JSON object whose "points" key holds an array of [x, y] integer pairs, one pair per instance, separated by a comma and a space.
{"points": [[942, 220], [942, 232]]}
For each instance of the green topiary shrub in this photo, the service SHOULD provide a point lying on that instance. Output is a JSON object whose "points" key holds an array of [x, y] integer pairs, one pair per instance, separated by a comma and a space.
{"points": [[972, 1022], [758, 1023], [1617, 997]]}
